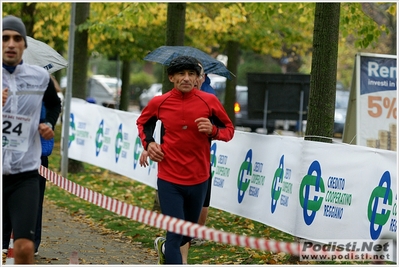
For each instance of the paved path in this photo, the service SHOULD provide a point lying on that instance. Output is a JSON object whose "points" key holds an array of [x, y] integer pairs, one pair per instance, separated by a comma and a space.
{"points": [[63, 234]]}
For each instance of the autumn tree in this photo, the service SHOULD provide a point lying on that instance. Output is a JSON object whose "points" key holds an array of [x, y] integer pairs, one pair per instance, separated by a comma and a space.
{"points": [[384, 14], [324, 72], [127, 31], [130, 30], [232, 27], [276, 29]]}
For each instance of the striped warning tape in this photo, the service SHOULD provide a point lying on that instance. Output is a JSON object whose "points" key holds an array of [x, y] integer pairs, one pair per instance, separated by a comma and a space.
{"points": [[177, 225], [10, 252]]}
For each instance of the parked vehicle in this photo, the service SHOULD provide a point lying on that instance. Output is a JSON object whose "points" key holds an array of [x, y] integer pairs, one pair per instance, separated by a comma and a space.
{"points": [[341, 106], [101, 89], [218, 83], [148, 94], [240, 106], [104, 90], [241, 112]]}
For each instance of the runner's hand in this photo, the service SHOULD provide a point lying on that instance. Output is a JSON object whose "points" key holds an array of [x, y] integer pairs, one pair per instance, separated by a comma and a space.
{"points": [[204, 125], [155, 152], [5, 96], [144, 159], [45, 131]]}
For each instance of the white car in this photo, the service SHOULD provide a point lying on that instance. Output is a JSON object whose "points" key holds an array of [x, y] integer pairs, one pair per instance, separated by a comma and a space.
{"points": [[148, 94], [101, 89]]}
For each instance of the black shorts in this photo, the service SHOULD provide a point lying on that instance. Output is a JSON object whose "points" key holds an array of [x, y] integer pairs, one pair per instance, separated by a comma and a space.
{"points": [[207, 200], [20, 202]]}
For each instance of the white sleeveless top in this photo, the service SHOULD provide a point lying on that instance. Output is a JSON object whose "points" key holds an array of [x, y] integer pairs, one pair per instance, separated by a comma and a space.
{"points": [[20, 116]]}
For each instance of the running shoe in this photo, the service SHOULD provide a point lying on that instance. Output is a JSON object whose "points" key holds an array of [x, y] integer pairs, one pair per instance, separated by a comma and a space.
{"points": [[158, 243], [197, 242]]}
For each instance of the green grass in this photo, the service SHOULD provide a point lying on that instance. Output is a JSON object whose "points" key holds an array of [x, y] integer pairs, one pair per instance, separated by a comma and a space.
{"points": [[137, 194]]}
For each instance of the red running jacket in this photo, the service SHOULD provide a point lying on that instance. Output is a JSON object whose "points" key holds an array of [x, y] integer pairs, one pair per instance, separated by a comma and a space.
{"points": [[186, 150]]}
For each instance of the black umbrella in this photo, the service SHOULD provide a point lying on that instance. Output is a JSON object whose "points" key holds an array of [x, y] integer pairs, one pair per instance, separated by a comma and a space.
{"points": [[165, 54]]}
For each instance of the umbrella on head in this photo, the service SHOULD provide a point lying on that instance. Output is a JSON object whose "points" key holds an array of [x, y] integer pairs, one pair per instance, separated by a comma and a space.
{"points": [[165, 54], [41, 54]]}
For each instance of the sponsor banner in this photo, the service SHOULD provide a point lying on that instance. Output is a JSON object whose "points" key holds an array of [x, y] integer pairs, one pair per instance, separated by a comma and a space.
{"points": [[351, 190], [258, 184], [108, 138], [309, 189]]}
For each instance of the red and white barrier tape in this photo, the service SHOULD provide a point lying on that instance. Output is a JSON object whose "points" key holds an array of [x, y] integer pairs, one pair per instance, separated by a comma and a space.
{"points": [[176, 225], [10, 252]]}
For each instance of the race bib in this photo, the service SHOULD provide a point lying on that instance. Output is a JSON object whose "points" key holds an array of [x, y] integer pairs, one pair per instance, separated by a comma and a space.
{"points": [[16, 132]]}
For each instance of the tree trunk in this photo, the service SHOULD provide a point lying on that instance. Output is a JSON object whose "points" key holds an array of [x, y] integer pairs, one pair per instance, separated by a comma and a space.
{"points": [[233, 48], [320, 124], [125, 92], [175, 29], [79, 79], [80, 59], [28, 12]]}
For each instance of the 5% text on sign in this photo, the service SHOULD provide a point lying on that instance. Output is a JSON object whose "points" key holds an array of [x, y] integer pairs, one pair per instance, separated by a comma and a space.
{"points": [[378, 105]]}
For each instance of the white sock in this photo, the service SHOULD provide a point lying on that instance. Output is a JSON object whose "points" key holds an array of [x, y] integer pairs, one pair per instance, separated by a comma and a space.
{"points": [[163, 248]]}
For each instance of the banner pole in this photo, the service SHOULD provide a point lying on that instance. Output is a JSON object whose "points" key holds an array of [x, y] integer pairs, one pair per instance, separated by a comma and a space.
{"points": [[68, 95]]}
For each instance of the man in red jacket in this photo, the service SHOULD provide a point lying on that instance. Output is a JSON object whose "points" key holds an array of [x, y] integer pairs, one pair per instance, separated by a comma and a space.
{"points": [[184, 153]]}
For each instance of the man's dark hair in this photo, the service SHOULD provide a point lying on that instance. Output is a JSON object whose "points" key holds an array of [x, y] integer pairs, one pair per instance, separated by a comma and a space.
{"points": [[184, 63]]}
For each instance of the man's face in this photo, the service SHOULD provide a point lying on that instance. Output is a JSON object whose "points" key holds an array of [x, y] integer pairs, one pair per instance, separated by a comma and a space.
{"points": [[184, 80], [13, 47]]}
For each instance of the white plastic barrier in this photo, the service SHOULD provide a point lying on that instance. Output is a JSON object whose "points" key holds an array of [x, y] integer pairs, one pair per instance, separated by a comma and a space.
{"points": [[312, 190]]}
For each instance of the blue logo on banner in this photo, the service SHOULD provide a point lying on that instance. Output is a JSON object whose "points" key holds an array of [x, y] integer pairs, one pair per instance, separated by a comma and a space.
{"points": [[99, 137], [213, 159], [118, 143], [308, 204], [72, 128], [384, 193], [246, 168], [278, 177]]}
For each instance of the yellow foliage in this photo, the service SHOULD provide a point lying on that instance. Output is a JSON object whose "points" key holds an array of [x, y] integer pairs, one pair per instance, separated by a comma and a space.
{"points": [[277, 53], [250, 226], [392, 10], [256, 256], [264, 27], [142, 22], [302, 19]]}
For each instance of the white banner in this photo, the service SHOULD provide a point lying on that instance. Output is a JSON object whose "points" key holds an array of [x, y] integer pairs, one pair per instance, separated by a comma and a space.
{"points": [[309, 189]]}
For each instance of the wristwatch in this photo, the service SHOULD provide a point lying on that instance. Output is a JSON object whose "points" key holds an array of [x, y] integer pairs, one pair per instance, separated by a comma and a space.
{"points": [[49, 124]]}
